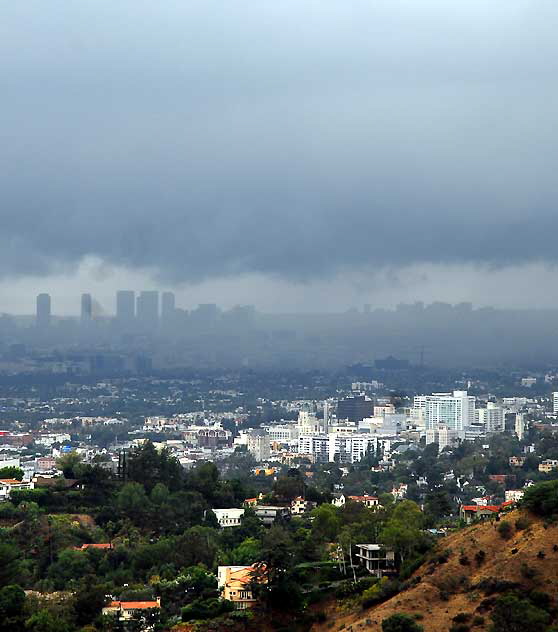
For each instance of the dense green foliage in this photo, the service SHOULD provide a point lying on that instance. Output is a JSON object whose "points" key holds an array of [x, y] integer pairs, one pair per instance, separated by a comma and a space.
{"points": [[542, 499]]}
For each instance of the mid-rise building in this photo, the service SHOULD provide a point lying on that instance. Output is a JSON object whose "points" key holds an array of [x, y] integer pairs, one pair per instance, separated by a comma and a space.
{"points": [[316, 445], [491, 417], [355, 408], [555, 402]]}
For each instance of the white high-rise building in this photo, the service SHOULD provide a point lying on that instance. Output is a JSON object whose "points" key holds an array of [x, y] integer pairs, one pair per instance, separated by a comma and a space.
{"points": [[455, 410], [555, 402], [491, 417]]}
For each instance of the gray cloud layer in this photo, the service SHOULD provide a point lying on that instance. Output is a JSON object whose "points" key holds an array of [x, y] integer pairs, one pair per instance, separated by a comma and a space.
{"points": [[294, 138]]}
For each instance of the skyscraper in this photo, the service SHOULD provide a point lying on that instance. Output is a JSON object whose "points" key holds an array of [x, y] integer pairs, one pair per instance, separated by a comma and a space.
{"points": [[125, 306], [168, 307], [147, 311], [43, 311], [86, 308]]}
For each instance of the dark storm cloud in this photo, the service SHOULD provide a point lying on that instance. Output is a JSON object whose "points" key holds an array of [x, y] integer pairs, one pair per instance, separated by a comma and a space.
{"points": [[294, 139]]}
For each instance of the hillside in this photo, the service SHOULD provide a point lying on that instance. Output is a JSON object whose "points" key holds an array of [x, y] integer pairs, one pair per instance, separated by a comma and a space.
{"points": [[466, 582]]}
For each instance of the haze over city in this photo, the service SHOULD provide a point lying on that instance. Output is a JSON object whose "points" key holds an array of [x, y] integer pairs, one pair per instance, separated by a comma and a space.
{"points": [[295, 155]]}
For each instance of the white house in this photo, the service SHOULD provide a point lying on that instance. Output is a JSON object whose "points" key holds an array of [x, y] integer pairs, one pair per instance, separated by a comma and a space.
{"points": [[7, 485], [229, 517]]}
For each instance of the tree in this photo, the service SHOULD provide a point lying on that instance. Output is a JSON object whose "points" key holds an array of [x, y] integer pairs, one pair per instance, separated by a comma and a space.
{"points": [[70, 464], [11, 472], [326, 522], [402, 531], [132, 500], [401, 623], [513, 614], [9, 563], [12, 600], [148, 466], [159, 494], [542, 499], [249, 551]]}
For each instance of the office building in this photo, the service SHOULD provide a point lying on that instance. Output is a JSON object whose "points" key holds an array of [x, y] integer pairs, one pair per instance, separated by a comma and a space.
{"points": [[125, 306], [355, 408], [43, 311], [86, 308], [147, 310]]}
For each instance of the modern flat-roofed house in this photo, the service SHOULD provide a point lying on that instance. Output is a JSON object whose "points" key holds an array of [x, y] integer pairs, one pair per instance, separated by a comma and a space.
{"points": [[377, 559], [129, 610], [235, 584], [270, 514], [229, 517]]}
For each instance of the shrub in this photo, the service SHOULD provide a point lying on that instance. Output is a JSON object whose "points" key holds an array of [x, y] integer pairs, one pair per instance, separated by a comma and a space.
{"points": [[461, 617], [478, 620], [540, 599], [505, 529], [528, 572], [459, 627], [491, 585], [513, 614], [464, 560], [480, 557], [522, 522], [401, 623]]}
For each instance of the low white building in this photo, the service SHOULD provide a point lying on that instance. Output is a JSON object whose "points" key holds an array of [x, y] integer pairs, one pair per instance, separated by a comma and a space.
{"points": [[8, 485], [229, 517]]}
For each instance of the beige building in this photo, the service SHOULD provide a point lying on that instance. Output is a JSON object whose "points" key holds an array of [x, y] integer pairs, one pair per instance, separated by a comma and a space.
{"points": [[235, 584]]}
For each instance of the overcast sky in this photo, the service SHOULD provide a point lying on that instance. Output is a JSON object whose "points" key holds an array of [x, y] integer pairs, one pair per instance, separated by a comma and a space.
{"points": [[293, 154]]}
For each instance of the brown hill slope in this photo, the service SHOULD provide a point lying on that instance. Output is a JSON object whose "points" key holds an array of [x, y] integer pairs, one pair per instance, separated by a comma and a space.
{"points": [[478, 561]]}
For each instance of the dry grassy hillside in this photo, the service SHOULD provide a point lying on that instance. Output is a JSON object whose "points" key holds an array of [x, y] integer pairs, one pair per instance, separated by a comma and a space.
{"points": [[478, 561]]}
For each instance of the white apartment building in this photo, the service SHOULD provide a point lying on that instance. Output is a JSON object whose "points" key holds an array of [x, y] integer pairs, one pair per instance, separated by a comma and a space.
{"points": [[555, 402], [351, 448], [491, 417], [455, 410], [315, 444]]}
